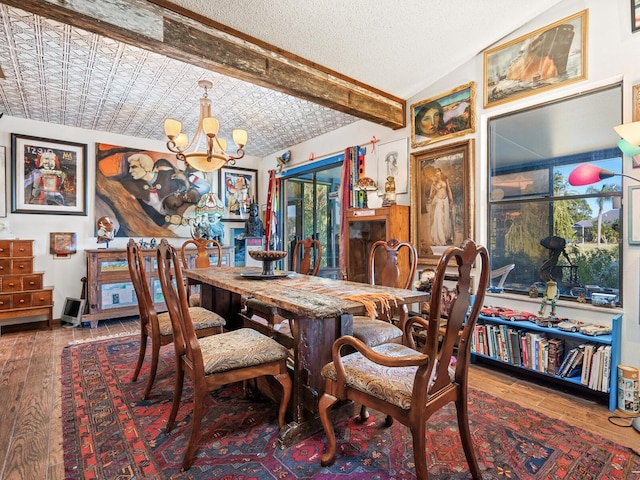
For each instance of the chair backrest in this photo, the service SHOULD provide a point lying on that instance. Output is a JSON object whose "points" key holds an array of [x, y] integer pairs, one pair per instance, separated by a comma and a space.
{"points": [[501, 273], [463, 314], [202, 258], [185, 340], [308, 246], [146, 308], [383, 263]]}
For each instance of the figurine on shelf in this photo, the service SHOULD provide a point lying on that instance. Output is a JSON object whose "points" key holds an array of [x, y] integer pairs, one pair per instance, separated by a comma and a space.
{"points": [[551, 295], [389, 192], [253, 225], [105, 230]]}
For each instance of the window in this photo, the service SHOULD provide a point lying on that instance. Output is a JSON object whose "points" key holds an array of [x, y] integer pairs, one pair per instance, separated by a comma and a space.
{"points": [[537, 221]]}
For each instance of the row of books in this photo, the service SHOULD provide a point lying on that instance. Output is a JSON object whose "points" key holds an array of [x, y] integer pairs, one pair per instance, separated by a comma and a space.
{"points": [[533, 350]]}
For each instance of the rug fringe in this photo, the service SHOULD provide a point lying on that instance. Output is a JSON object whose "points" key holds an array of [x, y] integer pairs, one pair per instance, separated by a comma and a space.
{"points": [[102, 337]]}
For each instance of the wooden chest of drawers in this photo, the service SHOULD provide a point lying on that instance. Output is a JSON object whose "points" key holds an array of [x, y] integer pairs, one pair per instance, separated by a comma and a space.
{"points": [[22, 295]]}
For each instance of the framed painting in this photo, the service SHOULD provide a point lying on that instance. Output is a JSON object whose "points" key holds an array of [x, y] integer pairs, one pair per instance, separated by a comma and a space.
{"points": [[3, 181], [635, 15], [147, 193], [62, 243], [634, 224], [238, 189], [49, 176], [547, 58], [451, 114], [636, 102], [393, 161], [442, 199]]}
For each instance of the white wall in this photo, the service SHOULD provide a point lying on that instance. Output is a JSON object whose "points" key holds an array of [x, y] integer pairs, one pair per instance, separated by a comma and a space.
{"points": [[66, 274], [612, 52]]}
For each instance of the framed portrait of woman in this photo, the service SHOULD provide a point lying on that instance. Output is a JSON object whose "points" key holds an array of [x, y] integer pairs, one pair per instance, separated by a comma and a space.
{"points": [[449, 115], [442, 199]]}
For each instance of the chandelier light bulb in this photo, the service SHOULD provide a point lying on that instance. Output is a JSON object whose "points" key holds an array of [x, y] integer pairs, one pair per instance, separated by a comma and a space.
{"points": [[172, 128], [211, 126], [240, 138]]}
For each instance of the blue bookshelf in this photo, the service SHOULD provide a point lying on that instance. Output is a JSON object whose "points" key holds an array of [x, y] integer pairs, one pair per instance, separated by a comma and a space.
{"points": [[612, 339]]}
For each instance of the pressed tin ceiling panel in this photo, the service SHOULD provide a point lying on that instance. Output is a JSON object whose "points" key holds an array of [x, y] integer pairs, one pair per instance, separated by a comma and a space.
{"points": [[64, 75]]}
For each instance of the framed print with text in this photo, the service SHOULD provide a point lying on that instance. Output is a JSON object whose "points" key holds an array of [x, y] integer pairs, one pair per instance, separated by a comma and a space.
{"points": [[442, 203], [49, 176]]}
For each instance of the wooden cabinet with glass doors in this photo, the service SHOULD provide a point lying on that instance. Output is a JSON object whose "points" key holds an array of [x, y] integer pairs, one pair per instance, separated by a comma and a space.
{"points": [[365, 226]]}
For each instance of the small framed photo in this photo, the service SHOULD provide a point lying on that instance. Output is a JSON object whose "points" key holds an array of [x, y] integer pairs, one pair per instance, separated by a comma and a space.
{"points": [[238, 189], [547, 58], [49, 176], [635, 15], [442, 199], [62, 243], [449, 115], [634, 224], [393, 161]]}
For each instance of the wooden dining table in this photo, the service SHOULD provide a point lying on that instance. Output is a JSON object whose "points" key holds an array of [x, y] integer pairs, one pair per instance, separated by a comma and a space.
{"points": [[323, 310]]}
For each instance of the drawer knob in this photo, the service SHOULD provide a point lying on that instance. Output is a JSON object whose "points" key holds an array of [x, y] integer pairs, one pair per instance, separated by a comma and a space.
{"points": [[32, 283], [1, 267], [21, 267], [21, 301], [12, 284], [1, 303]]}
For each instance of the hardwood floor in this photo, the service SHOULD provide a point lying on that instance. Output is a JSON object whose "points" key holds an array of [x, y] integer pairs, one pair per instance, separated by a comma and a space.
{"points": [[30, 403]]}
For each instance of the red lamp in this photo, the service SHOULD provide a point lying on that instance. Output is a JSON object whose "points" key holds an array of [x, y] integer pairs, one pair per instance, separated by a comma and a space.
{"points": [[586, 174]]}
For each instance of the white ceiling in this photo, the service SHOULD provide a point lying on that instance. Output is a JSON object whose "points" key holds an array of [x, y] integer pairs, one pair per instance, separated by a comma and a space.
{"points": [[64, 75]]}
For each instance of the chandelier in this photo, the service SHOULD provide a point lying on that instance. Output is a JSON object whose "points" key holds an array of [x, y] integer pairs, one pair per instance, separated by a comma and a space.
{"points": [[215, 156]]}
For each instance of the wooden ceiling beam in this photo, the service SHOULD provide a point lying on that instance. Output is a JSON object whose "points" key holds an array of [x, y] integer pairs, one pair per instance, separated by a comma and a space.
{"points": [[164, 28]]}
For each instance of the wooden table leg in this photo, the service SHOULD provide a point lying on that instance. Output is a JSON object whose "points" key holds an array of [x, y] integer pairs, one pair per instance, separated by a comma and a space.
{"points": [[312, 351]]}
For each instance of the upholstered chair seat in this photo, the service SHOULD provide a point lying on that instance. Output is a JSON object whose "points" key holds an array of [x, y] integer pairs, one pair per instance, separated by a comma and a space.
{"points": [[239, 349], [201, 317], [373, 332]]}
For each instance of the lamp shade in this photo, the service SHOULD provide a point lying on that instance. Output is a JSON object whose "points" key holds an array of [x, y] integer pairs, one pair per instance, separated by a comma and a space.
{"points": [[630, 132], [586, 174], [627, 148]]}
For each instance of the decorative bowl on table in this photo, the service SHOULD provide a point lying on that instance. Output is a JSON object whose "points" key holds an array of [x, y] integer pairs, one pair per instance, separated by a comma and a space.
{"points": [[267, 257]]}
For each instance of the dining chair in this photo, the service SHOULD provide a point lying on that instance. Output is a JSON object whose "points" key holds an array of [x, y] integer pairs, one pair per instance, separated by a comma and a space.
{"points": [[216, 360], [202, 260], [157, 326], [270, 320], [383, 270], [410, 385]]}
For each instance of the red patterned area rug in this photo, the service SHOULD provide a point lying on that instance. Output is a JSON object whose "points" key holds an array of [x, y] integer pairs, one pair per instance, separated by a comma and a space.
{"points": [[111, 433]]}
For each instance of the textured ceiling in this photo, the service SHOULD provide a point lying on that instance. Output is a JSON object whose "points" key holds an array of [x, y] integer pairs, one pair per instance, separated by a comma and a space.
{"points": [[60, 74]]}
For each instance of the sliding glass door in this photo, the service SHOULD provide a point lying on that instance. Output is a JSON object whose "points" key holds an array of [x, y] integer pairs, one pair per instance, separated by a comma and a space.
{"points": [[310, 194]]}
